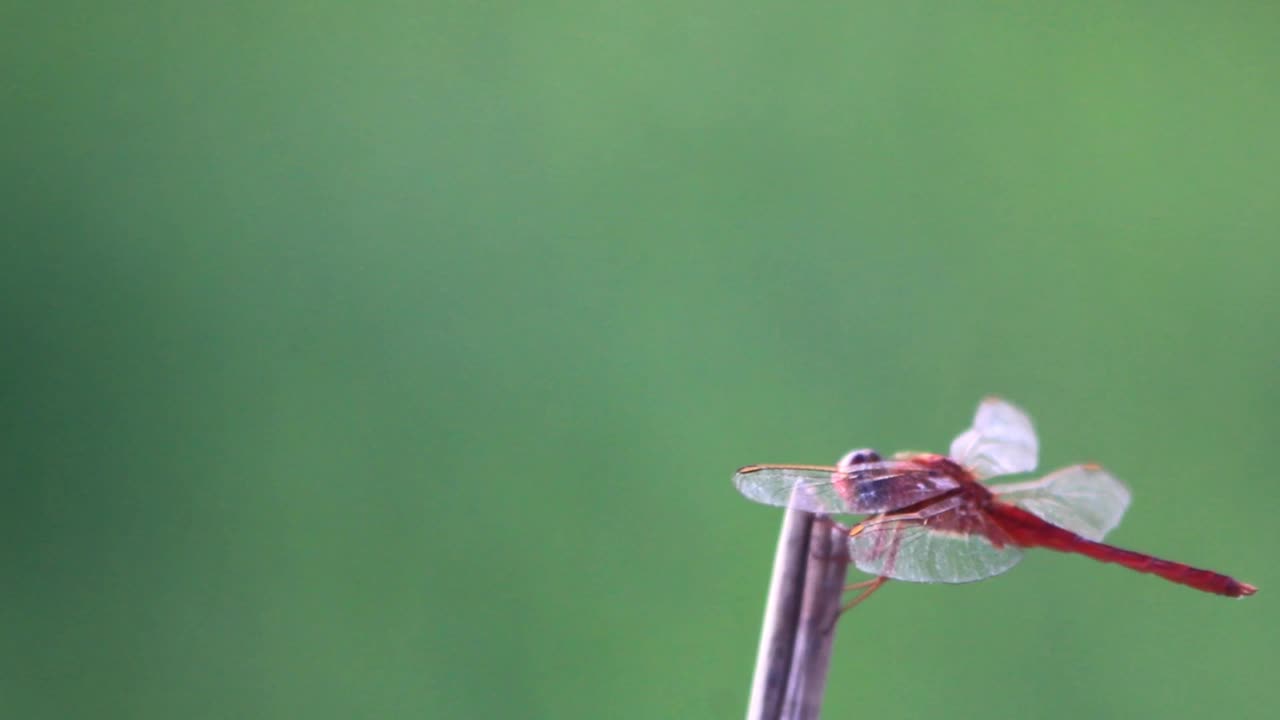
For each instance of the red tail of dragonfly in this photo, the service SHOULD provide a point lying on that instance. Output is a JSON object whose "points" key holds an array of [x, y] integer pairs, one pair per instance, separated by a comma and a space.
{"points": [[930, 518]]}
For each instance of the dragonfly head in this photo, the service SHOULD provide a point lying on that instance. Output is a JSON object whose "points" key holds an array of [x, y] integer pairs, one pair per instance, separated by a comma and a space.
{"points": [[853, 458]]}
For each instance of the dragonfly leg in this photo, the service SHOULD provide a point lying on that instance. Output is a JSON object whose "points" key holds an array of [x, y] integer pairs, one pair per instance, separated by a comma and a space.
{"points": [[886, 518], [868, 587], [861, 585]]}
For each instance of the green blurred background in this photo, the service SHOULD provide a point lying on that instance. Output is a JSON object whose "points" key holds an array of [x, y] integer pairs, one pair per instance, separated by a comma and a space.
{"points": [[392, 359]]}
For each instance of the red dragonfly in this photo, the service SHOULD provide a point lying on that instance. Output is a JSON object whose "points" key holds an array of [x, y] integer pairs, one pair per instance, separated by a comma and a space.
{"points": [[931, 520]]}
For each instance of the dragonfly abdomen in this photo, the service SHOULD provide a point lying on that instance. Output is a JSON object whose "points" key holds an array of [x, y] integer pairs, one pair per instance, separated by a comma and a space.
{"points": [[1029, 530]]}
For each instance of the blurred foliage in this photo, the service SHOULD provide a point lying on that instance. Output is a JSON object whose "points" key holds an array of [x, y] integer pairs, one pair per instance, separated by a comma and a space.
{"points": [[392, 359]]}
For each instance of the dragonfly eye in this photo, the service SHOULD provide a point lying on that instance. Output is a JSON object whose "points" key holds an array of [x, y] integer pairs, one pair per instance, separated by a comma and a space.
{"points": [[858, 457]]}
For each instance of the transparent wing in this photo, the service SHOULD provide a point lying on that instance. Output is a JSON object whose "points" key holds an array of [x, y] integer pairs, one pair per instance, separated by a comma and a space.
{"points": [[955, 544], [1085, 499], [874, 487], [1000, 442]]}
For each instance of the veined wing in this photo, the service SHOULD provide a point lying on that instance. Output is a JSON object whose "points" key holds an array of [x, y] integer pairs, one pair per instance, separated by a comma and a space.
{"points": [[948, 542], [1085, 499], [864, 489], [1001, 441]]}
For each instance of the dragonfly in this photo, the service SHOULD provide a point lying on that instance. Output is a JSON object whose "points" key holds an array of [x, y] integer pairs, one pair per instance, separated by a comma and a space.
{"points": [[933, 519]]}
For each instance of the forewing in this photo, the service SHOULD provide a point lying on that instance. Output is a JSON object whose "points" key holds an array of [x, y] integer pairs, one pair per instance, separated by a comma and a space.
{"points": [[1085, 499], [951, 546], [1001, 441], [865, 489]]}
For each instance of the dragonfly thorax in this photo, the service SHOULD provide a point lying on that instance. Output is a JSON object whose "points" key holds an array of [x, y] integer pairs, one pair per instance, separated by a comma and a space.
{"points": [[944, 465]]}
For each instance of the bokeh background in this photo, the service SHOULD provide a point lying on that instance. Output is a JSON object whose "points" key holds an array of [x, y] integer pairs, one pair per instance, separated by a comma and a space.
{"points": [[392, 359]]}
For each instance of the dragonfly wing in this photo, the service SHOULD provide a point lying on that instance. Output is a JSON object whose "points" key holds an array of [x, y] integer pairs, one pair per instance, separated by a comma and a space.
{"points": [[812, 489], [1085, 499], [1001, 441], [953, 546], [873, 487]]}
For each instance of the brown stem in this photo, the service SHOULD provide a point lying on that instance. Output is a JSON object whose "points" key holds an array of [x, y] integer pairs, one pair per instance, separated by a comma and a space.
{"points": [[800, 619]]}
